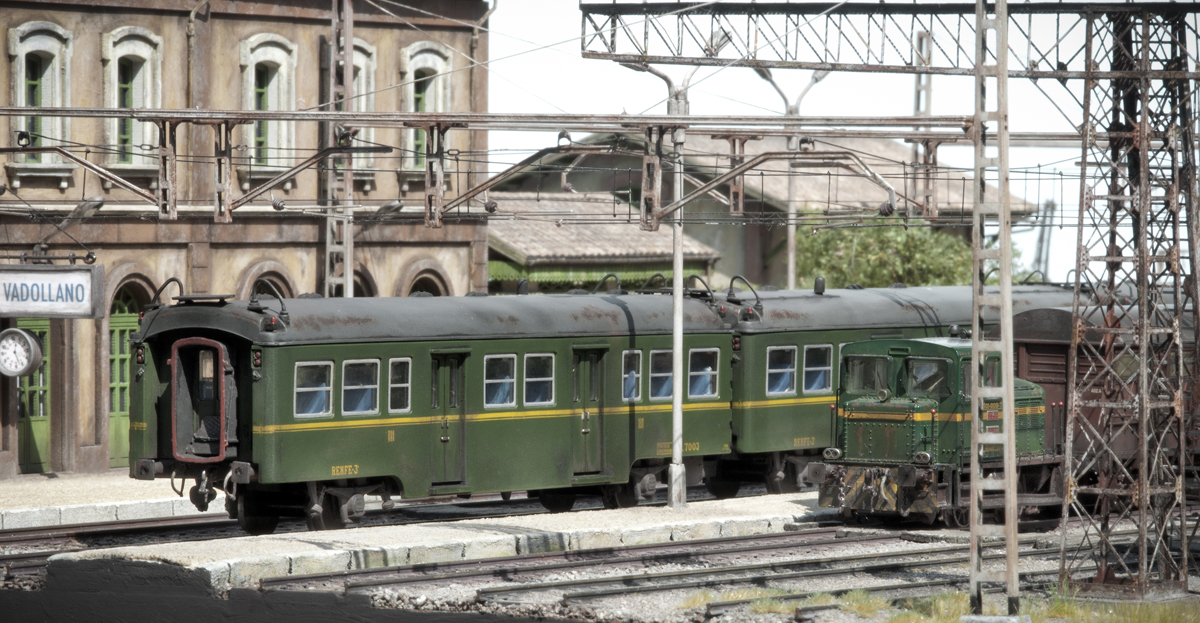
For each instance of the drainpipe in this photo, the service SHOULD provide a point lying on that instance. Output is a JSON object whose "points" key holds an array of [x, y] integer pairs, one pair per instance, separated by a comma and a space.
{"points": [[474, 136], [191, 89], [191, 53]]}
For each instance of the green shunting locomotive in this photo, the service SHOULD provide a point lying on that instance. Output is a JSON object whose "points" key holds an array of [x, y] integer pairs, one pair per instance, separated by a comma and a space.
{"points": [[902, 431]]}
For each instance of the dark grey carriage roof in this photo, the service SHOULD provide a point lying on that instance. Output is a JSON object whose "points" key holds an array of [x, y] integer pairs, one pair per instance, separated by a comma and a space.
{"points": [[327, 321], [338, 320], [791, 310], [1053, 325]]}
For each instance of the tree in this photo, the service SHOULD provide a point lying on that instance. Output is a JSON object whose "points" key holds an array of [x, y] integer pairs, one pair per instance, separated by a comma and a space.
{"points": [[876, 257]]}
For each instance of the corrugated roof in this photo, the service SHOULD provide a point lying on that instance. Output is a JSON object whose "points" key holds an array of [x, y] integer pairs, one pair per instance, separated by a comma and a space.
{"points": [[545, 229]]}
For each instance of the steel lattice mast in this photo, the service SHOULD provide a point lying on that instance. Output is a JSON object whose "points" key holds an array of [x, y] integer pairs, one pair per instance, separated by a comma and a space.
{"points": [[1137, 234]]}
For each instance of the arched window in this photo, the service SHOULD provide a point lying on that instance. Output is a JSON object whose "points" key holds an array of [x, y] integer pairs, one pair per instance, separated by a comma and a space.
{"points": [[122, 321], [425, 67], [428, 282], [268, 83], [40, 70], [132, 59]]}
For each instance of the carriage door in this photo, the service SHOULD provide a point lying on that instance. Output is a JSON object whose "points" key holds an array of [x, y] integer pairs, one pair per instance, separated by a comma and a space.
{"points": [[450, 413], [588, 428], [33, 405]]}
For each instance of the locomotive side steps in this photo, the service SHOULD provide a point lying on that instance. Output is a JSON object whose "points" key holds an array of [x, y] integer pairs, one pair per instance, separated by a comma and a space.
{"points": [[216, 567]]}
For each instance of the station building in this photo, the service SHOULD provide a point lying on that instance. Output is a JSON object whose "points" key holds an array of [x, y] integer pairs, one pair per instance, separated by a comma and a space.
{"points": [[71, 415]]}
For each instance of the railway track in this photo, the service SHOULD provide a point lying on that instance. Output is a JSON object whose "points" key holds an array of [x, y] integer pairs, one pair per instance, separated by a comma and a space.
{"points": [[629, 572]]}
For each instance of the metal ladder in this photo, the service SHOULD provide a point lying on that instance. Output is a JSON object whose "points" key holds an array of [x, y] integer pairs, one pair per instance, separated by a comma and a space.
{"points": [[993, 76]]}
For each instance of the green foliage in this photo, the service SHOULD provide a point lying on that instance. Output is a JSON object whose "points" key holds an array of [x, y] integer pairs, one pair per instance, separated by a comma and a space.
{"points": [[876, 257]]}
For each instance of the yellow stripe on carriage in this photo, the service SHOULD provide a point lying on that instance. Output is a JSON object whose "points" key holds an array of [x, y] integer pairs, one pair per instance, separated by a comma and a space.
{"points": [[331, 423], [827, 399]]}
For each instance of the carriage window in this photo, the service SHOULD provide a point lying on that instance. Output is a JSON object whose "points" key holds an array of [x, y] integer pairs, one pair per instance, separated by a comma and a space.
{"points": [[360, 386], [702, 372], [660, 375], [865, 375], [631, 375], [927, 379], [499, 380], [399, 384], [205, 374], [539, 379], [781, 370], [818, 369], [314, 393]]}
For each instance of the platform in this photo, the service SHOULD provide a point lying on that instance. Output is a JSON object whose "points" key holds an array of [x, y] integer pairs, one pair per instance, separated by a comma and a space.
{"points": [[215, 567], [35, 500]]}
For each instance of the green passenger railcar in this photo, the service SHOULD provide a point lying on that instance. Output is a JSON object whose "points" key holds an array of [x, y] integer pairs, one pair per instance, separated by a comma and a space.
{"points": [[902, 433], [786, 370], [303, 407]]}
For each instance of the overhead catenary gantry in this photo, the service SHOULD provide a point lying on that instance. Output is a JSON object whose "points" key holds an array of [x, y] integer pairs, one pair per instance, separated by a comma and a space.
{"points": [[1131, 68]]}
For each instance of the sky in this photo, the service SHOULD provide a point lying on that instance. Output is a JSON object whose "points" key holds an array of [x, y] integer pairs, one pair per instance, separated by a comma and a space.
{"points": [[556, 79]]}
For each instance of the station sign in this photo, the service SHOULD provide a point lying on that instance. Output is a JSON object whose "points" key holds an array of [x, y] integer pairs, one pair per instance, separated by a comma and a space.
{"points": [[47, 291]]}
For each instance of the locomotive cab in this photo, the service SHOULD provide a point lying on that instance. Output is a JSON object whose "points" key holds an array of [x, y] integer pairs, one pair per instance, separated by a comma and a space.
{"points": [[902, 430]]}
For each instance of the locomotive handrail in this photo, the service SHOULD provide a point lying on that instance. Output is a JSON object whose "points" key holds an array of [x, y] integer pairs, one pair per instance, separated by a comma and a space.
{"points": [[255, 306], [646, 286], [757, 299], [154, 299], [605, 280], [701, 280]]}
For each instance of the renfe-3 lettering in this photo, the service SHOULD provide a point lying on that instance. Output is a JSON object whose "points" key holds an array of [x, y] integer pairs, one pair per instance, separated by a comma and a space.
{"points": [[345, 470]]}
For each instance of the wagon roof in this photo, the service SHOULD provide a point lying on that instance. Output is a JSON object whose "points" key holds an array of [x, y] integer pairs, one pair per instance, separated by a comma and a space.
{"points": [[338, 320], [935, 346], [794, 310]]}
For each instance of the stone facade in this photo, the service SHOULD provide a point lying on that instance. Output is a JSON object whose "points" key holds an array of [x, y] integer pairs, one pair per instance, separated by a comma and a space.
{"points": [[139, 54]]}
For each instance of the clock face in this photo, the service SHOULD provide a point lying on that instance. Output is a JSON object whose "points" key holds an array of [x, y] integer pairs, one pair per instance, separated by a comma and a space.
{"points": [[19, 354]]}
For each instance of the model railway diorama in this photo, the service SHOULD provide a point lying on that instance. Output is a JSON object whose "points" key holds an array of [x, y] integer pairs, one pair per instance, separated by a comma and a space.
{"points": [[301, 407]]}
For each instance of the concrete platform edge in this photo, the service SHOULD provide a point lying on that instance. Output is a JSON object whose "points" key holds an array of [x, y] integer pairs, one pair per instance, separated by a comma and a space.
{"points": [[108, 511], [92, 571]]}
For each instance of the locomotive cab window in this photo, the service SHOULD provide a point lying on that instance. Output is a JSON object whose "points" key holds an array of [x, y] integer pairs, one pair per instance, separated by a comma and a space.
{"points": [[360, 386], [314, 389], [865, 375], [927, 378], [781, 371], [539, 379], [702, 372], [631, 375], [818, 369], [399, 385], [500, 380], [204, 372], [661, 384]]}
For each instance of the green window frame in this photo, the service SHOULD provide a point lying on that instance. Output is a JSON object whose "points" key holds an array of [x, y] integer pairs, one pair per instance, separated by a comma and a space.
{"points": [[262, 101], [33, 398], [126, 72], [422, 80], [35, 73]]}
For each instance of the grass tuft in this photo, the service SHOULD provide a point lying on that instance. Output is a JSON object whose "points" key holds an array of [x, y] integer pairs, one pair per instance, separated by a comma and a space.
{"points": [[696, 600], [863, 604]]}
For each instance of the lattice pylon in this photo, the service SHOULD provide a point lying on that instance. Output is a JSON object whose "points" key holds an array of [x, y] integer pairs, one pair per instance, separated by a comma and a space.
{"points": [[991, 71], [1126, 445]]}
